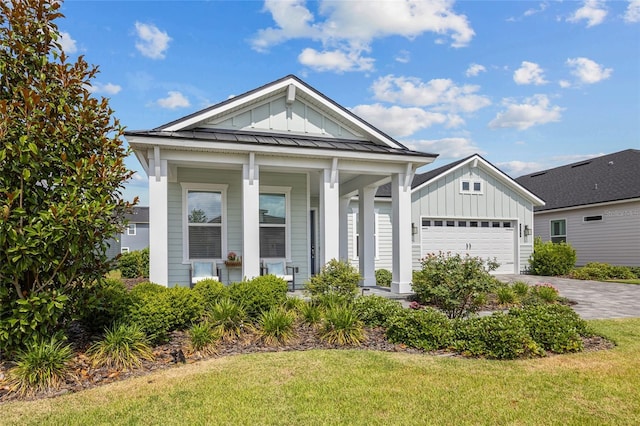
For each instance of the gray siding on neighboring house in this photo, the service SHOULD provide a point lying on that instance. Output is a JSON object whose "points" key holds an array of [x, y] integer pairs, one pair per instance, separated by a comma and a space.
{"points": [[138, 241], [179, 268], [615, 239]]}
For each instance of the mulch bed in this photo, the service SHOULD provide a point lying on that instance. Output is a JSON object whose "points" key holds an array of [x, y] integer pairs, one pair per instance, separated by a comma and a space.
{"points": [[87, 377]]}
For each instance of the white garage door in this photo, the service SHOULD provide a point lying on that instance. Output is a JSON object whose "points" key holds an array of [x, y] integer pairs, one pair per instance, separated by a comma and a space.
{"points": [[485, 239]]}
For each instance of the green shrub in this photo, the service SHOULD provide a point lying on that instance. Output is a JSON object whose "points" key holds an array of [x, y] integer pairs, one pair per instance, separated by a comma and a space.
{"points": [[454, 283], [426, 329], [123, 346], [555, 328], [383, 277], [103, 303], [210, 291], [311, 313], [635, 270], [335, 277], [506, 295], [498, 336], [228, 318], [134, 264], [521, 289], [41, 365], [294, 304], [28, 320], [160, 310], [374, 311], [259, 294], [602, 272], [545, 292], [276, 326], [203, 338], [550, 259], [341, 326], [330, 300]]}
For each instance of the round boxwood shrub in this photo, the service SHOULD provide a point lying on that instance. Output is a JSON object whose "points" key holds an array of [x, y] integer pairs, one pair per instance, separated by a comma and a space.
{"points": [[210, 291], [556, 328], [259, 294], [383, 277], [374, 311], [426, 329], [498, 336]]}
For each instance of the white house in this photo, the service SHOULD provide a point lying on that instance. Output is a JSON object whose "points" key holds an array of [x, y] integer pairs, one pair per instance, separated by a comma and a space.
{"points": [[269, 175], [466, 207]]}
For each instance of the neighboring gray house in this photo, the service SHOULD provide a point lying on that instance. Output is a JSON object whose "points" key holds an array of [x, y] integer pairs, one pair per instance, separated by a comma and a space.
{"points": [[135, 235], [594, 205], [466, 207], [268, 175]]}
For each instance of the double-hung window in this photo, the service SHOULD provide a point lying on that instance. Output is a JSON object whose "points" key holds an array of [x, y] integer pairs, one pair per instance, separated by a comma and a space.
{"points": [[204, 221], [131, 229], [559, 231], [274, 223]]}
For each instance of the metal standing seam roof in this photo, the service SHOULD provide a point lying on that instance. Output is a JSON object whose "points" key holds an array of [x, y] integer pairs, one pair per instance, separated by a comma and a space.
{"points": [[273, 139], [611, 177]]}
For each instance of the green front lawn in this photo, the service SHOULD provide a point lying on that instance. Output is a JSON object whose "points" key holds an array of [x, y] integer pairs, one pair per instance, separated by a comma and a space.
{"points": [[366, 387], [636, 281]]}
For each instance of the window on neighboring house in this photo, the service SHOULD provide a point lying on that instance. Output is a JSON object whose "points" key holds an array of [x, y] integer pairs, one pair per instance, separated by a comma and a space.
{"points": [[124, 250], [592, 218], [559, 231], [356, 238], [131, 229], [468, 186], [204, 222], [274, 224]]}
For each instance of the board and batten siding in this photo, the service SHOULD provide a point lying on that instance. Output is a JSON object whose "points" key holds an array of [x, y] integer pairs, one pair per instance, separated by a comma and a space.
{"points": [[179, 270], [614, 240], [442, 198]]}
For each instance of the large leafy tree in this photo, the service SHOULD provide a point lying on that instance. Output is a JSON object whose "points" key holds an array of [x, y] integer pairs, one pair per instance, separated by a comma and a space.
{"points": [[62, 173]]}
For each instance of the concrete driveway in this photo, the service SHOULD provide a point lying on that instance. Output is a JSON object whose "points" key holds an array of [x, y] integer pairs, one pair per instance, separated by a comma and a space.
{"points": [[595, 300]]}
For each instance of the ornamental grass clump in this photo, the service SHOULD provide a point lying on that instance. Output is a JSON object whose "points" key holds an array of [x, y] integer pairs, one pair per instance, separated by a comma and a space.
{"points": [[203, 338], [311, 314], [545, 292], [521, 289], [228, 318], [123, 346], [506, 296], [341, 326], [40, 366], [276, 326]]}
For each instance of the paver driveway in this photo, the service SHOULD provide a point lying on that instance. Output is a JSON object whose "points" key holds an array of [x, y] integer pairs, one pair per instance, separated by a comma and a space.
{"points": [[595, 300]]}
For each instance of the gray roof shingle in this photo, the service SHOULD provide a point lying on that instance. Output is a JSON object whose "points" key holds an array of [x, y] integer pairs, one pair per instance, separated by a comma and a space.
{"points": [[611, 177]]}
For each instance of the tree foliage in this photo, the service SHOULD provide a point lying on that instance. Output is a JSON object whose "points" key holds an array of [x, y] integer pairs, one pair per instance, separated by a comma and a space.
{"points": [[62, 161]]}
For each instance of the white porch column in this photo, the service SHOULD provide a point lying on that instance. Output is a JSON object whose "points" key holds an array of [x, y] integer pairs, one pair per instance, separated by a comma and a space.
{"points": [[401, 225], [250, 219], [366, 231], [329, 216], [344, 228], [158, 221]]}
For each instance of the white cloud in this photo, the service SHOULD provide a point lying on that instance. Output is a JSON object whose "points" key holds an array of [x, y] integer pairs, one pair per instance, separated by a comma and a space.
{"points": [[592, 11], [529, 73], [440, 94], [588, 71], [517, 168], [67, 43], [404, 56], [335, 60], [534, 111], [174, 100], [446, 148], [564, 84], [351, 26], [106, 88], [397, 121], [632, 14], [474, 70], [541, 8], [152, 42]]}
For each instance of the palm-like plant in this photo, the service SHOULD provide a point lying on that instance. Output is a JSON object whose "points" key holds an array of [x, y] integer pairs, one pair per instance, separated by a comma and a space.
{"points": [[342, 326]]}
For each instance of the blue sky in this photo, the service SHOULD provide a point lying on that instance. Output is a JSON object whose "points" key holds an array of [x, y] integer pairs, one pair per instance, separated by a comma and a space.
{"points": [[528, 85]]}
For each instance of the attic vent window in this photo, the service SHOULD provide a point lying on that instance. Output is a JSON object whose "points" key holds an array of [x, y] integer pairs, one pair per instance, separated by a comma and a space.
{"points": [[592, 218], [580, 164]]}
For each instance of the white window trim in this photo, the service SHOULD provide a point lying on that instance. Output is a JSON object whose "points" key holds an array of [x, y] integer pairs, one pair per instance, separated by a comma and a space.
{"points": [[131, 227], [566, 229], [286, 190], [471, 184], [186, 187], [354, 237]]}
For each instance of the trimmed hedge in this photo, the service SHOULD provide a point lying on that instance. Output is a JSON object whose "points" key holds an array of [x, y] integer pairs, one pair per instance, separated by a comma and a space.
{"points": [[259, 294]]}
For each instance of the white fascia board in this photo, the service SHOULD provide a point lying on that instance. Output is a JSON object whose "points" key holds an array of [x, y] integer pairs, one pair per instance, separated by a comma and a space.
{"points": [[139, 143], [495, 172], [282, 87]]}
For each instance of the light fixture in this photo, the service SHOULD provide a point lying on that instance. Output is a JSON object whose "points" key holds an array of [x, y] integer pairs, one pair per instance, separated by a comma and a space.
{"points": [[414, 228], [527, 231]]}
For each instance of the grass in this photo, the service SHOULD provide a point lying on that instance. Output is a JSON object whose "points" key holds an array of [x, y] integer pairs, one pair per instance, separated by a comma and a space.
{"points": [[366, 387], [633, 281]]}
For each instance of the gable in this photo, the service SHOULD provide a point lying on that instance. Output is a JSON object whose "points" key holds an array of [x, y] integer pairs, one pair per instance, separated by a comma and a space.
{"points": [[279, 116]]}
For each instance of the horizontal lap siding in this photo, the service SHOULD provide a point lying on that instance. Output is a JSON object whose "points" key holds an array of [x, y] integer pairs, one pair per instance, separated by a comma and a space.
{"points": [[614, 240]]}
